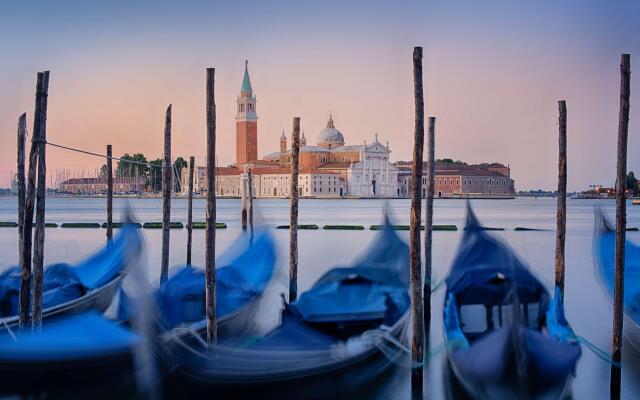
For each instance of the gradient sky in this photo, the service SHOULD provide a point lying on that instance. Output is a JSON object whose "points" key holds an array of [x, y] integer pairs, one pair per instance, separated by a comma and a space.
{"points": [[494, 71]]}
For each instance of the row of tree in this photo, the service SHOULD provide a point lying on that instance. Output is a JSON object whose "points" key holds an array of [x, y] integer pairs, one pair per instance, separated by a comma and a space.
{"points": [[137, 165]]}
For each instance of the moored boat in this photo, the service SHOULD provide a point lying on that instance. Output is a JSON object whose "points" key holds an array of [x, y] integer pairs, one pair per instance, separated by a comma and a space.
{"points": [[604, 256], [343, 333], [505, 337], [97, 351], [90, 285]]}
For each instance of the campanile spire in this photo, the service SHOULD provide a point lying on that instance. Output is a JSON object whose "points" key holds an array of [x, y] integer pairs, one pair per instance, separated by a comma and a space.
{"points": [[246, 122]]}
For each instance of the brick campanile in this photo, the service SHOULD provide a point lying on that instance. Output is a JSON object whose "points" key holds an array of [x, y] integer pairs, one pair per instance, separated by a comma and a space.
{"points": [[246, 123]]}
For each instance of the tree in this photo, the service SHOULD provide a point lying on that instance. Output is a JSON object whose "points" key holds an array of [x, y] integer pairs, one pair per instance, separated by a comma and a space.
{"points": [[131, 169], [155, 175], [179, 164], [632, 183], [103, 171]]}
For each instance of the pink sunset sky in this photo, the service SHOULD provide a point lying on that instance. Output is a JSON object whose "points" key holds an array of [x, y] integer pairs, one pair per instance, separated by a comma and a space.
{"points": [[493, 75]]}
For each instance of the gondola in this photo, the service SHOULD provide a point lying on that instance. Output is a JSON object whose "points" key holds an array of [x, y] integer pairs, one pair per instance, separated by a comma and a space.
{"points": [[100, 352], [505, 337], [90, 285], [604, 256], [344, 332], [243, 272]]}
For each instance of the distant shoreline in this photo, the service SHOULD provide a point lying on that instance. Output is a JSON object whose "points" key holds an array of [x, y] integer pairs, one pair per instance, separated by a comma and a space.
{"points": [[200, 196]]}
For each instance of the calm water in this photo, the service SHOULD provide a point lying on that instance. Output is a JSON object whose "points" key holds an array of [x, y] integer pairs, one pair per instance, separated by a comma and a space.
{"points": [[587, 308]]}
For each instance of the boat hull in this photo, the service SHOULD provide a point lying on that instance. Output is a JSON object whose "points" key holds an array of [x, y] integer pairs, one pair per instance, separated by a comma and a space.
{"points": [[320, 381], [97, 299], [460, 386]]}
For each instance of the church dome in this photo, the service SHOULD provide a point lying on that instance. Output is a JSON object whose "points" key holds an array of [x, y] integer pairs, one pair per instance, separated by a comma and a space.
{"points": [[330, 136]]}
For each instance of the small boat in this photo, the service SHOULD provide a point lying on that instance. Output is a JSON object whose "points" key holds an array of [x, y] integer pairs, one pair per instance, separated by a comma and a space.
{"points": [[604, 256], [243, 272], [505, 337], [90, 285], [85, 346], [635, 202], [343, 333], [97, 351]]}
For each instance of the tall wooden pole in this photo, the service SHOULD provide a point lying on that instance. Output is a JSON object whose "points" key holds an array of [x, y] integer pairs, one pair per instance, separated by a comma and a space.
{"points": [[192, 163], [621, 224], [428, 227], [41, 193], [293, 217], [109, 193], [210, 256], [167, 187], [20, 178], [25, 278], [250, 195], [243, 208], [561, 217], [25, 268], [417, 342]]}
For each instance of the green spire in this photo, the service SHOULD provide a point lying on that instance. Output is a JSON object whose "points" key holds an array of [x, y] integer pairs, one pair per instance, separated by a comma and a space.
{"points": [[246, 82]]}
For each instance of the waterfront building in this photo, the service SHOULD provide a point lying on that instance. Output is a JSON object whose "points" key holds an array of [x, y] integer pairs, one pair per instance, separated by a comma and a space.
{"points": [[462, 180], [93, 186], [333, 168]]}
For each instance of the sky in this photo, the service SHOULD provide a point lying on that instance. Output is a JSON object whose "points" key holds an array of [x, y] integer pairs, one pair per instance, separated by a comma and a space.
{"points": [[493, 73]]}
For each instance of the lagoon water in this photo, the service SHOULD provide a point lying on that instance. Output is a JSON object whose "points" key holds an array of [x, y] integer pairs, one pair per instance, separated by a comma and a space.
{"points": [[587, 308]]}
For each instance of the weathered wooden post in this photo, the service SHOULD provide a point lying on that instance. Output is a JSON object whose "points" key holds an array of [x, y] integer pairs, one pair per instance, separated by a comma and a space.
{"points": [[243, 208], [250, 195], [561, 217], [293, 217], [27, 239], [109, 193], [210, 234], [428, 227], [167, 186], [192, 163], [621, 225], [417, 342], [41, 192], [22, 133], [25, 268]]}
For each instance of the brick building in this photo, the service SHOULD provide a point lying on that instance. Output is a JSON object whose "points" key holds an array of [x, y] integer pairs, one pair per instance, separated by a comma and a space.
{"points": [[461, 180]]}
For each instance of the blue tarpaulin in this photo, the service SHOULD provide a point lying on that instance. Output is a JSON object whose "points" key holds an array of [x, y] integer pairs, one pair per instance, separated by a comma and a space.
{"points": [[63, 282], [485, 270], [605, 255], [243, 272], [75, 337]]}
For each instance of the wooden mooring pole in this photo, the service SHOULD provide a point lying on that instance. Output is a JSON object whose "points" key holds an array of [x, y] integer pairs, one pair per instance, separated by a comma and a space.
{"points": [[561, 216], [428, 228], [27, 238], [41, 193], [109, 193], [210, 234], [293, 217], [24, 308], [243, 208], [167, 186], [417, 342], [20, 178], [621, 224], [250, 195], [192, 164]]}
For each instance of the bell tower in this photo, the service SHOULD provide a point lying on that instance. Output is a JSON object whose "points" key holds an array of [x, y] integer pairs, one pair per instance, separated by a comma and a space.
{"points": [[283, 143], [246, 123]]}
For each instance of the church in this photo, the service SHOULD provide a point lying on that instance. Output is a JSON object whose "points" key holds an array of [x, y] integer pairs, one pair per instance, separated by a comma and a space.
{"points": [[331, 168], [328, 168]]}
